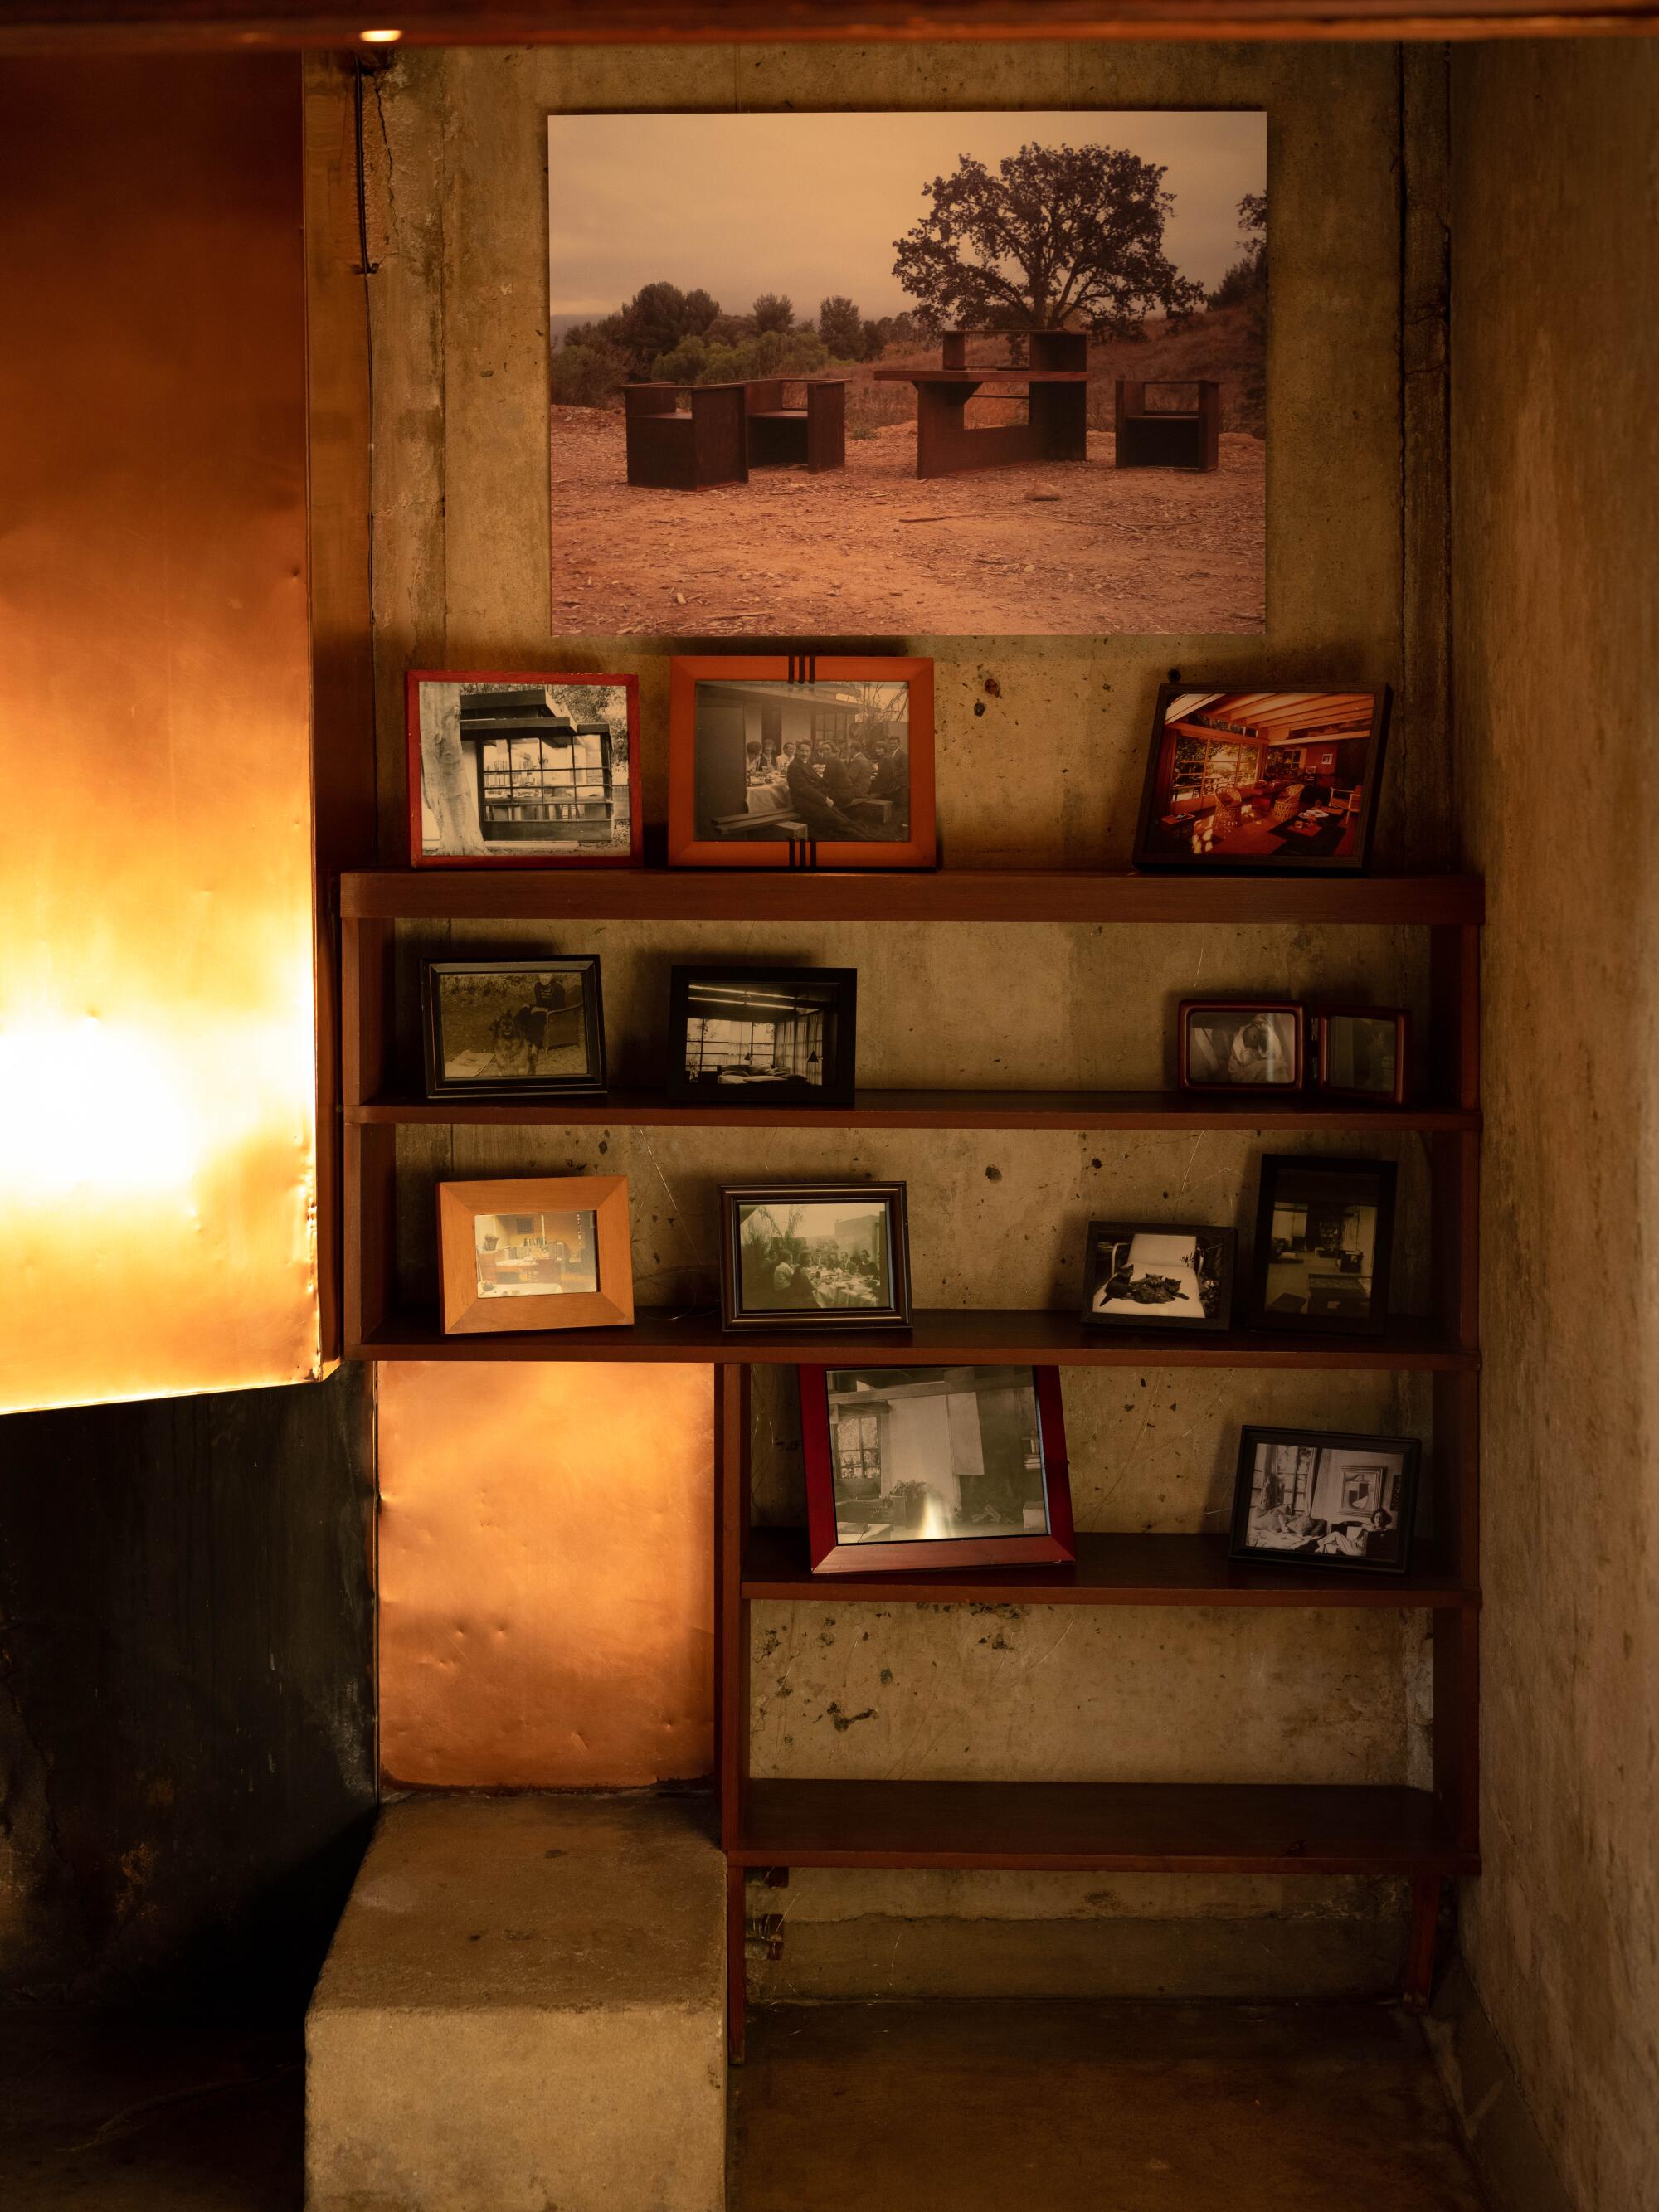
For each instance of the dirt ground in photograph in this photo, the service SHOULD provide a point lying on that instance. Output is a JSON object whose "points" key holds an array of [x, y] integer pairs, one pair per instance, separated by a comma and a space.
{"points": [[1073, 549]]}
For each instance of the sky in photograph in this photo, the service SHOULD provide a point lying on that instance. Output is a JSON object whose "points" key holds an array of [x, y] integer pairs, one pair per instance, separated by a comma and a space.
{"points": [[812, 204]]}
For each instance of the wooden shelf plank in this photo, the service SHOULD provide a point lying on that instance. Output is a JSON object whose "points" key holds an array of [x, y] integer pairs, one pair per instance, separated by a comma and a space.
{"points": [[1112, 1568], [1050, 895], [937, 1110], [1099, 1827], [940, 1337]]}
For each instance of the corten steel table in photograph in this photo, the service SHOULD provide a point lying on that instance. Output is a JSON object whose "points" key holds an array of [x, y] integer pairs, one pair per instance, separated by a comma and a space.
{"points": [[1055, 375], [674, 448], [1168, 437], [814, 433]]}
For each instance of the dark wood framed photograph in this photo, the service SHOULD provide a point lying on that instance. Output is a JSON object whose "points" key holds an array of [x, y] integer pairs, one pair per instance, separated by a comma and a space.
{"points": [[799, 761], [546, 1252], [1226, 1043], [925, 1468], [1362, 1052], [814, 1255], [761, 1036], [1324, 1239], [1325, 1498], [1148, 1274], [523, 771], [513, 1028], [1269, 782]]}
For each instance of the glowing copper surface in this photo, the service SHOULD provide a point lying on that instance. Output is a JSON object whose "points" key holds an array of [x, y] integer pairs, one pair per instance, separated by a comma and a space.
{"points": [[157, 1121], [546, 1573]]}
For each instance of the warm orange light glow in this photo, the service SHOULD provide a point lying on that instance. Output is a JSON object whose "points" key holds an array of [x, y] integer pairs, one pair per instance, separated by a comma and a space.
{"points": [[380, 38], [546, 1568], [157, 1042]]}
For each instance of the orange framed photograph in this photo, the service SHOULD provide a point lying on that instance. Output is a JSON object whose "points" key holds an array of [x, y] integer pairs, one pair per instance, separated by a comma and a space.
{"points": [[795, 761], [552, 1252]]}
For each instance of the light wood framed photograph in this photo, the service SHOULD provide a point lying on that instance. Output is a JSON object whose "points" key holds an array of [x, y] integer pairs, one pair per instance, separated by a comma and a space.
{"points": [[548, 1252], [813, 1255], [797, 762], [513, 1028], [529, 771]]}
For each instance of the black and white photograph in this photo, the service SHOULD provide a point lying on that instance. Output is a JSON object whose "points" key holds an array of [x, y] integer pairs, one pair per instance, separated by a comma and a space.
{"points": [[962, 1463], [761, 1035], [814, 1254], [1150, 1274], [513, 1028], [1360, 1052], [829, 761], [520, 1255], [1325, 1499], [1227, 1042], [506, 770], [1323, 1239]]}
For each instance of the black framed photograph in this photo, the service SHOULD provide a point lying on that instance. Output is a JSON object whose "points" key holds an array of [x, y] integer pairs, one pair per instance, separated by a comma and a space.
{"points": [[1148, 1274], [761, 1036], [513, 1028], [1324, 1237], [1325, 1498], [912, 1468], [1362, 1052], [1262, 782], [1226, 1043], [814, 1255]]}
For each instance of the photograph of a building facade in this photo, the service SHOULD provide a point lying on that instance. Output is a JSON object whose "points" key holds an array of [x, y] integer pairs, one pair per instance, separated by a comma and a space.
{"points": [[765, 329]]}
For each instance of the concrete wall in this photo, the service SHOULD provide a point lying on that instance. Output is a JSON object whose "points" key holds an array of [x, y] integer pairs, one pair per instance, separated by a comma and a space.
{"points": [[1556, 508], [1049, 771]]}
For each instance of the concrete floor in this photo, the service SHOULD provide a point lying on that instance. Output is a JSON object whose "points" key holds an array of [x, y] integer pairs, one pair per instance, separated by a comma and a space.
{"points": [[1116, 2108]]}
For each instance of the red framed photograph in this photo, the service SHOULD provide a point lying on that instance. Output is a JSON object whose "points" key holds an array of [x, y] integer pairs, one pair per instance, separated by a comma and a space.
{"points": [[1262, 782], [916, 1469], [800, 761], [1226, 1044], [1362, 1052], [523, 771]]}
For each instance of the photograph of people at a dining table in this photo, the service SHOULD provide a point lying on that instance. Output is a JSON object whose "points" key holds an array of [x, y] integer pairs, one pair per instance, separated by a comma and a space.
{"points": [[1271, 780], [827, 760], [813, 1257], [1341, 1500]]}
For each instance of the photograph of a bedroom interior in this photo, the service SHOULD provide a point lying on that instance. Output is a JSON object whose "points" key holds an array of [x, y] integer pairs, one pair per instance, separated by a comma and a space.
{"points": [[1256, 775]]}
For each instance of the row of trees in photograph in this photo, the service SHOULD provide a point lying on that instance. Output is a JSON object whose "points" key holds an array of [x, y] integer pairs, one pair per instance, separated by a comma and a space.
{"points": [[1057, 237]]}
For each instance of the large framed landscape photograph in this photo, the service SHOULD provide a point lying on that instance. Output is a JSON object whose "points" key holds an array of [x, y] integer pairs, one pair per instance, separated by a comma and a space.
{"points": [[862, 374]]}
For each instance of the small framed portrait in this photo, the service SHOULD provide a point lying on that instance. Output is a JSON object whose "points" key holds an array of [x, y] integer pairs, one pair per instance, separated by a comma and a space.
{"points": [[1362, 1052], [797, 762], [814, 1255], [550, 1252], [523, 771], [920, 1468], [1228, 1043], [1268, 782], [1145, 1275], [761, 1036], [513, 1028], [1316, 1498], [1324, 1236]]}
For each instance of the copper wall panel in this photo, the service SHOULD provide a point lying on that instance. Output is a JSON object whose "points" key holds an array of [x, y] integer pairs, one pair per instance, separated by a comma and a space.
{"points": [[546, 1569], [157, 1051]]}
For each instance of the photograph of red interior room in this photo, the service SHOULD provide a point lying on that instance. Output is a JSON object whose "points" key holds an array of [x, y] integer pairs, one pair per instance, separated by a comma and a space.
{"points": [[1270, 779]]}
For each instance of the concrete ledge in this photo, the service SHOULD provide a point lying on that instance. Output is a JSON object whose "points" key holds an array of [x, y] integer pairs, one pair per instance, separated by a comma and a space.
{"points": [[524, 2008], [1502, 2137]]}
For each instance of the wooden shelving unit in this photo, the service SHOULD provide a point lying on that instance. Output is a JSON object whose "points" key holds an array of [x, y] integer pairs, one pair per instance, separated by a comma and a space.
{"points": [[1425, 1835]]}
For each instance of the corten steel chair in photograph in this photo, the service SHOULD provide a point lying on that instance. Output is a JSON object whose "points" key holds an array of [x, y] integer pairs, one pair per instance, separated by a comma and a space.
{"points": [[1154, 437], [1055, 375], [674, 448], [814, 433]]}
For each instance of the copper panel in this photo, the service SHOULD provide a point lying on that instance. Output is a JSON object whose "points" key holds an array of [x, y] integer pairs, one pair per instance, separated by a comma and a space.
{"points": [[546, 1574], [157, 1116]]}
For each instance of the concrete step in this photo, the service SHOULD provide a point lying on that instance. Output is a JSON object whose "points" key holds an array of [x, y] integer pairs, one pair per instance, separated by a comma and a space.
{"points": [[524, 2009]]}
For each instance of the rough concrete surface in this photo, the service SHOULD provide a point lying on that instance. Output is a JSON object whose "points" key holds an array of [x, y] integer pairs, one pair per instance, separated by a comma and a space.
{"points": [[1557, 505], [492, 2033]]}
